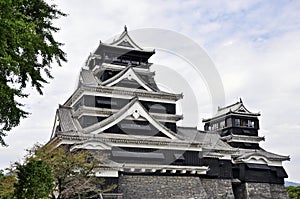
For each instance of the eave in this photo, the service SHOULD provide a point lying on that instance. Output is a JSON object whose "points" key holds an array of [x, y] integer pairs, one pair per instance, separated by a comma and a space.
{"points": [[100, 90], [252, 115], [94, 111], [242, 138], [130, 141], [120, 50]]}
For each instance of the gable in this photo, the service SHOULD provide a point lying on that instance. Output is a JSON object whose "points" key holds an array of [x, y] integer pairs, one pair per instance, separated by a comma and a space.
{"points": [[135, 127], [242, 109], [128, 74], [134, 110], [125, 41]]}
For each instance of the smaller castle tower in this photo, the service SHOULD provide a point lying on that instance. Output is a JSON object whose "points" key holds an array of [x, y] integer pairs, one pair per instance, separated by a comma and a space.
{"points": [[256, 172], [236, 125]]}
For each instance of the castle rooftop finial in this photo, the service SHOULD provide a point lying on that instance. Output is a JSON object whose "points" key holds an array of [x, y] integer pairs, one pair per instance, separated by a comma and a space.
{"points": [[241, 100], [125, 28]]}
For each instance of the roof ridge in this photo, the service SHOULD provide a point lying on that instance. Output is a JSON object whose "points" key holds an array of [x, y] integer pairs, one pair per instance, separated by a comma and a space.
{"points": [[228, 106]]}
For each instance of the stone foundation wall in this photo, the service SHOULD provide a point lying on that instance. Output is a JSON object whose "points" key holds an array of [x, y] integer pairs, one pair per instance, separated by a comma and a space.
{"points": [[260, 190], [278, 191], [179, 187], [218, 188], [136, 186], [188, 187]]}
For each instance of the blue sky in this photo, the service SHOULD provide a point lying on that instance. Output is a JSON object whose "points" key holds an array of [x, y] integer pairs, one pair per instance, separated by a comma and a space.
{"points": [[255, 46]]}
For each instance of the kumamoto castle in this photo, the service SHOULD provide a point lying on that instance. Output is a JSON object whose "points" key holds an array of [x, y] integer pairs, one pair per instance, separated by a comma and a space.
{"points": [[117, 110]]}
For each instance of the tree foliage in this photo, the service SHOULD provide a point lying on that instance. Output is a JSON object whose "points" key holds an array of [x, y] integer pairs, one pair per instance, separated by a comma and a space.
{"points": [[294, 192], [73, 172], [35, 180], [57, 173], [27, 50], [7, 183]]}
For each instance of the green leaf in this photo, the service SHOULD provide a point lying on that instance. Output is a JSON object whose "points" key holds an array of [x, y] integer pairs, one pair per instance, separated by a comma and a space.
{"points": [[27, 51]]}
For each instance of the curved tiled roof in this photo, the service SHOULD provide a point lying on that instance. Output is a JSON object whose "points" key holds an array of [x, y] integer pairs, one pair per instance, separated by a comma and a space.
{"points": [[65, 119], [237, 108], [212, 140], [88, 78], [245, 154]]}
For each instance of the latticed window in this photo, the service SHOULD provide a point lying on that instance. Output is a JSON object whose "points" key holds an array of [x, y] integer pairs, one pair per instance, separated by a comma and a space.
{"points": [[250, 123], [222, 124], [237, 122]]}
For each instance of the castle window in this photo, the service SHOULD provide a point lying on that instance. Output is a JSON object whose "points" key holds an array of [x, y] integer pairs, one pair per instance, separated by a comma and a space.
{"points": [[244, 122], [125, 61], [134, 62], [215, 126], [210, 128], [250, 123], [228, 122], [115, 59], [237, 122], [222, 124], [105, 102]]}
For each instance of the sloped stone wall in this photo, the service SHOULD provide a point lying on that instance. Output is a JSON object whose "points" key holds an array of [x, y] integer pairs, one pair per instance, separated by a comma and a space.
{"points": [[278, 191], [260, 190], [179, 187], [218, 188], [192, 187]]}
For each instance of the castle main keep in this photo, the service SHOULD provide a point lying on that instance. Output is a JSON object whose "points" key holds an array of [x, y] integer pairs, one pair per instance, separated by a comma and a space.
{"points": [[118, 109]]}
